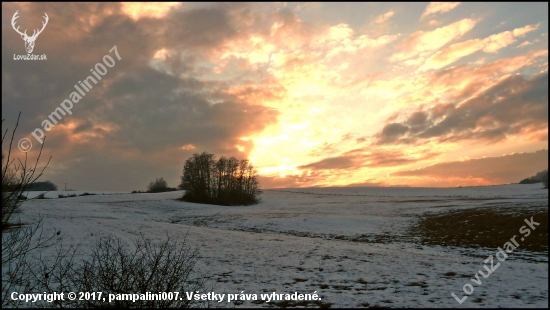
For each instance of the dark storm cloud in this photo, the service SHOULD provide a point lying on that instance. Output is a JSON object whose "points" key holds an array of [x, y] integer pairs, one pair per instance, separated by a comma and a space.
{"points": [[417, 119], [135, 114], [392, 132], [512, 106]]}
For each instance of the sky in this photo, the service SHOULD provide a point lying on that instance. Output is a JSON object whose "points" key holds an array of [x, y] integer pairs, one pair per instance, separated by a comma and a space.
{"points": [[313, 94]]}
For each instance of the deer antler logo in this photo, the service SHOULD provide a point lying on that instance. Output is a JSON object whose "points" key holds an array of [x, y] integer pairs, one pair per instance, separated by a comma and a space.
{"points": [[29, 41]]}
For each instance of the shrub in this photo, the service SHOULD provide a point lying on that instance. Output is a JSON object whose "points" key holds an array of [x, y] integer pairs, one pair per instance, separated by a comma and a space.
{"points": [[19, 267], [115, 268], [156, 186], [227, 181], [159, 186]]}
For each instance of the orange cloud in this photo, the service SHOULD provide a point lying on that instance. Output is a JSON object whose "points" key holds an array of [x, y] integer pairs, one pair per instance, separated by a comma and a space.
{"points": [[520, 32], [428, 41], [527, 43], [384, 17], [268, 92], [138, 10], [360, 158], [490, 44], [452, 54], [290, 94], [456, 84], [439, 7], [308, 69]]}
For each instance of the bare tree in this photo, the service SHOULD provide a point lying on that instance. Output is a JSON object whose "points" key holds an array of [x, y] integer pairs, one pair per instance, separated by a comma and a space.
{"points": [[20, 241], [17, 178]]}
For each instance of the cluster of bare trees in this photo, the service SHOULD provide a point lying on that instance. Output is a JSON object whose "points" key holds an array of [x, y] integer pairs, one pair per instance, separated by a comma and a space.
{"points": [[226, 181]]}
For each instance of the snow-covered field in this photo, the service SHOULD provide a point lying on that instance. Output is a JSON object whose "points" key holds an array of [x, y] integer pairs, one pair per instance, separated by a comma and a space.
{"points": [[350, 245]]}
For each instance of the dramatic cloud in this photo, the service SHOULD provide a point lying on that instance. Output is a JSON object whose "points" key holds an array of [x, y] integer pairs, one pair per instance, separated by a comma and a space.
{"points": [[313, 96], [512, 106], [137, 112], [453, 85], [391, 132]]}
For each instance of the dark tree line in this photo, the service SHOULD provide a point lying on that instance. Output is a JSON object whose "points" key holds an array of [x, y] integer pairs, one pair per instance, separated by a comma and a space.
{"points": [[537, 178], [226, 181], [43, 186]]}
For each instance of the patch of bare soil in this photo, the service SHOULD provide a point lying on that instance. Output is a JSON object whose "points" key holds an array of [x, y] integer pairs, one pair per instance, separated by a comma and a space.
{"points": [[485, 227]]}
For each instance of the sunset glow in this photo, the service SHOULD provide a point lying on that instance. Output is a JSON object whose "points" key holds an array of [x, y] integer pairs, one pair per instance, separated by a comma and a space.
{"points": [[315, 94]]}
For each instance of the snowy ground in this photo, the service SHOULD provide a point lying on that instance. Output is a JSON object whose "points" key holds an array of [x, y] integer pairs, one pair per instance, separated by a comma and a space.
{"points": [[350, 245]]}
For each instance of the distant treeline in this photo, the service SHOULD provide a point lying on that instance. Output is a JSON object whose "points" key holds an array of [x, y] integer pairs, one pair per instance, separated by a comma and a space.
{"points": [[43, 186], [537, 178], [35, 187], [157, 186]]}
